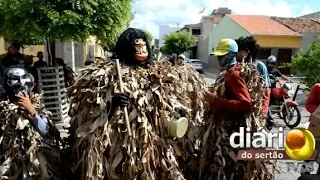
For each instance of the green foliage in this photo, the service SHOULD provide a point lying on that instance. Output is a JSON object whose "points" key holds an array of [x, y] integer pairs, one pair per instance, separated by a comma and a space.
{"points": [[177, 42], [164, 50], [149, 37], [308, 64], [34, 21]]}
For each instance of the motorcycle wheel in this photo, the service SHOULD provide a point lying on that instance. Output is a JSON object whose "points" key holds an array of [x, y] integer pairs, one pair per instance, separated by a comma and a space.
{"points": [[295, 120]]}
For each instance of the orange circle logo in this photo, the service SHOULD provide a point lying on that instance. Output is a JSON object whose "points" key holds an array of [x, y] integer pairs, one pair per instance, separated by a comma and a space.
{"points": [[299, 144]]}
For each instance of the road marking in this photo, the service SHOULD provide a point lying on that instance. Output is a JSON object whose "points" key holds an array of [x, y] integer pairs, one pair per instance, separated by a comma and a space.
{"points": [[210, 74]]}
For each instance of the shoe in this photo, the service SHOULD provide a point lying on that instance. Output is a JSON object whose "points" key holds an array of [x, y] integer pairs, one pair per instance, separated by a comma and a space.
{"points": [[269, 124], [269, 127]]}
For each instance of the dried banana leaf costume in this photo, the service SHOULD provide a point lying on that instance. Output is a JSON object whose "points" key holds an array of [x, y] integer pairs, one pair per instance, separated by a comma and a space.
{"points": [[99, 137], [219, 159], [29, 145]]}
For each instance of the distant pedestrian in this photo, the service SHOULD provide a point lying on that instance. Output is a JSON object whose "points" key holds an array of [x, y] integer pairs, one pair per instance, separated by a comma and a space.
{"points": [[40, 63], [88, 62], [69, 75]]}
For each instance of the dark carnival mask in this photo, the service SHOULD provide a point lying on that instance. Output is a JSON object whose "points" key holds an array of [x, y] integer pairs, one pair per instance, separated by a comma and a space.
{"points": [[19, 80], [133, 48]]}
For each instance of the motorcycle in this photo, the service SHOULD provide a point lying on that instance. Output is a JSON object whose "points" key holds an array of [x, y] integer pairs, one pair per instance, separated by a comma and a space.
{"points": [[284, 105]]}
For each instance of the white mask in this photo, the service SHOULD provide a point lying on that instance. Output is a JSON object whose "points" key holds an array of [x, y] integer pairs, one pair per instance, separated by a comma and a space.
{"points": [[19, 80]]}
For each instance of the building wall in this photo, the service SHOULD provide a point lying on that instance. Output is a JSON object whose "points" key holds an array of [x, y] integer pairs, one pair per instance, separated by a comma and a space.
{"points": [[202, 48], [308, 38], [278, 41], [29, 50], [206, 25], [75, 54], [226, 28], [163, 30]]}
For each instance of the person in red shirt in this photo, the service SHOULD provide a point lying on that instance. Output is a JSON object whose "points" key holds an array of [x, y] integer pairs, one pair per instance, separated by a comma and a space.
{"points": [[237, 98], [313, 100]]}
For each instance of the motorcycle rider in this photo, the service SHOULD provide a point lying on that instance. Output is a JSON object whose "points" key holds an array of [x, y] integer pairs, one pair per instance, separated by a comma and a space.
{"points": [[274, 73]]}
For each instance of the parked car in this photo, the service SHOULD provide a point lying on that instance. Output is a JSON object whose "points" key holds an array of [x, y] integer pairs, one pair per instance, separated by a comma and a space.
{"points": [[196, 64], [186, 61]]}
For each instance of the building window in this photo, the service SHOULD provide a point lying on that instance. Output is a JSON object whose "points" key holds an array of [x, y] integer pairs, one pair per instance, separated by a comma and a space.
{"points": [[284, 56], [196, 31], [264, 53]]}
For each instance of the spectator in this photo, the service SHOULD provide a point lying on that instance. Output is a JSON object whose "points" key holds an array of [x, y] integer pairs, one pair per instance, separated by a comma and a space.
{"points": [[40, 63], [13, 57], [88, 62], [33, 72], [69, 75], [313, 100]]}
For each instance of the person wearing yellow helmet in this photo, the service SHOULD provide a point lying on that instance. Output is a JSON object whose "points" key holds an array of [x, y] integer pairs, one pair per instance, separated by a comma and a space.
{"points": [[237, 98]]}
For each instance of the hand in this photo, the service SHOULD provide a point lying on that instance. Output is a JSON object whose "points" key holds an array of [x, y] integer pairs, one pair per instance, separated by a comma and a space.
{"points": [[122, 99], [182, 112], [210, 97], [222, 73], [25, 102]]}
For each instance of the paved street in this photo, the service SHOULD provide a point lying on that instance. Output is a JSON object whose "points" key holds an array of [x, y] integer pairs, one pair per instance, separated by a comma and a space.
{"points": [[283, 173]]}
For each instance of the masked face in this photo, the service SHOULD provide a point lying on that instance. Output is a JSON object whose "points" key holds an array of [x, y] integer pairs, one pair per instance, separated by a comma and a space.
{"points": [[222, 60], [141, 50], [242, 55], [19, 80], [227, 60]]}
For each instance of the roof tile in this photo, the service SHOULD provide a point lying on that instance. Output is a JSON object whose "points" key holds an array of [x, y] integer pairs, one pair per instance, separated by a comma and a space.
{"points": [[300, 24], [262, 25]]}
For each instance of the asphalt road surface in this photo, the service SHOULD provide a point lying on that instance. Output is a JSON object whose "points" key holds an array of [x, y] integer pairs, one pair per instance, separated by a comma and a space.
{"points": [[283, 173]]}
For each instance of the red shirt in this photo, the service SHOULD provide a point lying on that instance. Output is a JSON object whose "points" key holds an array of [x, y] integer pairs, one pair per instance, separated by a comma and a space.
{"points": [[237, 96], [313, 100]]}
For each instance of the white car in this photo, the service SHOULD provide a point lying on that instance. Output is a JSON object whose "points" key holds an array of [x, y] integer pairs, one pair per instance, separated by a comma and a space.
{"points": [[186, 61], [196, 64]]}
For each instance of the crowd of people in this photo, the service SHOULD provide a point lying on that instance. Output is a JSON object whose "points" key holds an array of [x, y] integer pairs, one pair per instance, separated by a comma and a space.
{"points": [[18, 75]]}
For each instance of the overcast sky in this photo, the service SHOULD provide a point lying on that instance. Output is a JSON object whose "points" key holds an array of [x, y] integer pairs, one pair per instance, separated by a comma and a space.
{"points": [[149, 14]]}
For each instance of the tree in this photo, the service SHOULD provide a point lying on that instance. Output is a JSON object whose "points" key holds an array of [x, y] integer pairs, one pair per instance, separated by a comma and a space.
{"points": [[149, 37], [164, 50], [308, 64], [38, 21], [177, 42]]}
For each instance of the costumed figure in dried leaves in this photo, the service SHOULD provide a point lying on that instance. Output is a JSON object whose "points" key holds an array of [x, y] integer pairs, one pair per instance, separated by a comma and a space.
{"points": [[236, 101], [29, 146], [248, 51], [162, 102]]}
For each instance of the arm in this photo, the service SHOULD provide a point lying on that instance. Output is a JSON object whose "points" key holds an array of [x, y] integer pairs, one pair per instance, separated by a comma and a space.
{"points": [[242, 100], [40, 123], [262, 68], [283, 77], [312, 102]]}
